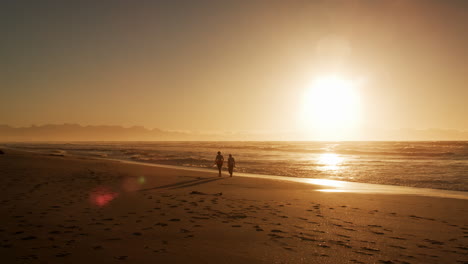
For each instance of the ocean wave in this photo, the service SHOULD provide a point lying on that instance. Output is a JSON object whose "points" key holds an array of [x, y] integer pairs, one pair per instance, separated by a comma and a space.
{"points": [[438, 165]]}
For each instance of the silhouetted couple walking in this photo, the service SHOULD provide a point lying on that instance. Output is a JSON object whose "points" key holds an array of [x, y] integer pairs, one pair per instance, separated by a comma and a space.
{"points": [[220, 160]]}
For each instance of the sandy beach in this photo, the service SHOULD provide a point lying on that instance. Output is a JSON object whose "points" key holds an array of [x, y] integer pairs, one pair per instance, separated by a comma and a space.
{"points": [[64, 209]]}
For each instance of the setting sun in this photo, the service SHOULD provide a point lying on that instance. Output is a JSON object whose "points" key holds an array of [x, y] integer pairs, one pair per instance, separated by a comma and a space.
{"points": [[331, 103]]}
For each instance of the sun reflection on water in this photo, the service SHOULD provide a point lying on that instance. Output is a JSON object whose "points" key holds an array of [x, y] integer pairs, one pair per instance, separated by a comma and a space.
{"points": [[328, 183], [330, 161]]}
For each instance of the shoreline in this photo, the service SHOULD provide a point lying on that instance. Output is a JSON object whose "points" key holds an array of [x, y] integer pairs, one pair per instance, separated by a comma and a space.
{"points": [[328, 185], [69, 209]]}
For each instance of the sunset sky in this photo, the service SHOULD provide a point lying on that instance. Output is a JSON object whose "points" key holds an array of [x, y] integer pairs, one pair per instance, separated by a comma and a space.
{"points": [[232, 65]]}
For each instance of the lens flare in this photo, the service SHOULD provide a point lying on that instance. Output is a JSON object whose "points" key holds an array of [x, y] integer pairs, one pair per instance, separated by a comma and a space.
{"points": [[141, 180], [131, 184], [101, 196]]}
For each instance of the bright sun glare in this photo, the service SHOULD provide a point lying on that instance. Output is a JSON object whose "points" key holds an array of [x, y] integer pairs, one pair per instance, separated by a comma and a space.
{"points": [[331, 105], [330, 161]]}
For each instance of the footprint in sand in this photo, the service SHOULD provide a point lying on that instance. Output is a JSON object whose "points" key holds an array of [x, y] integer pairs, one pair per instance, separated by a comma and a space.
{"points": [[275, 236], [276, 231], [323, 245], [399, 247], [363, 253], [415, 217], [29, 238], [32, 256], [63, 254], [463, 248], [434, 242], [200, 217], [365, 241], [370, 249], [343, 236]]}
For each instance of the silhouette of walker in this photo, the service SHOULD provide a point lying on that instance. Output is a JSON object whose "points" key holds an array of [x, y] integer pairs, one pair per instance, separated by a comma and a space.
{"points": [[219, 162], [231, 164]]}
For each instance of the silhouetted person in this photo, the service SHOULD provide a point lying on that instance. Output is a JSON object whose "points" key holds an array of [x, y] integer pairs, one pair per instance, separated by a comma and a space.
{"points": [[231, 164], [219, 162]]}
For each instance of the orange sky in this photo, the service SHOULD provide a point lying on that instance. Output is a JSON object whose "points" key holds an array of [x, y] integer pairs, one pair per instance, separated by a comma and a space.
{"points": [[231, 65]]}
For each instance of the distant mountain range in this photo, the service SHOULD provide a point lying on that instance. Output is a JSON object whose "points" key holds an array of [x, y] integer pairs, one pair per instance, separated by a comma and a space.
{"points": [[74, 132]]}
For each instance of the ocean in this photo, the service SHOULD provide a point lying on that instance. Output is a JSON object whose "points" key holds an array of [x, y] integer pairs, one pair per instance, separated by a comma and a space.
{"points": [[435, 165]]}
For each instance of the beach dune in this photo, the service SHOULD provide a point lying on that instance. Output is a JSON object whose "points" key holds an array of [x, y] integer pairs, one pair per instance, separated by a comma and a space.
{"points": [[64, 209]]}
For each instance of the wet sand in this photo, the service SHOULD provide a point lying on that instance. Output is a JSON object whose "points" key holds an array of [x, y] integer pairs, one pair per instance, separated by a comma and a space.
{"points": [[59, 209]]}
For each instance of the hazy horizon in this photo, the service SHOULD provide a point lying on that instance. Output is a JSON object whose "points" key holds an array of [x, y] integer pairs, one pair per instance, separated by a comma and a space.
{"points": [[76, 132], [338, 70]]}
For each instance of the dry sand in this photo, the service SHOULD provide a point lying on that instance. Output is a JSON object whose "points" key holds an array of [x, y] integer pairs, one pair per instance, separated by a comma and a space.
{"points": [[56, 209]]}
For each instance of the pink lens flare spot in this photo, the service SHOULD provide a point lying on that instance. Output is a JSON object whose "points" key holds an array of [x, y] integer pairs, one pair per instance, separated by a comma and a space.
{"points": [[102, 196]]}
